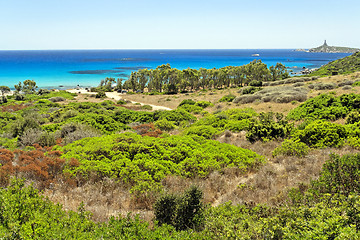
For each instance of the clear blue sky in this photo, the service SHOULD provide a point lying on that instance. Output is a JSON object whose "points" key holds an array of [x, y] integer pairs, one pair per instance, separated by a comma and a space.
{"points": [[163, 24]]}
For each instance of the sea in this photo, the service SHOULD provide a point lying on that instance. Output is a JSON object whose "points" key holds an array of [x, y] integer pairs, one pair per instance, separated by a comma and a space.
{"points": [[64, 69]]}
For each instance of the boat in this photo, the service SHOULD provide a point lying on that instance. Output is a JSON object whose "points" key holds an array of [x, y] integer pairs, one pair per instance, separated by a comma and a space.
{"points": [[256, 55]]}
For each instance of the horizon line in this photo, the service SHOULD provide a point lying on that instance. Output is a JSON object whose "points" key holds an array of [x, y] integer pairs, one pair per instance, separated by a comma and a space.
{"points": [[67, 49]]}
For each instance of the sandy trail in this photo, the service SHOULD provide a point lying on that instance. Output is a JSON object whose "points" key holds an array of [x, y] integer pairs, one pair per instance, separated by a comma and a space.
{"points": [[117, 96]]}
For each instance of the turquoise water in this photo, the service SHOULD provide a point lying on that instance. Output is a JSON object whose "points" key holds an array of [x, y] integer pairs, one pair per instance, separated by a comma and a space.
{"points": [[69, 68]]}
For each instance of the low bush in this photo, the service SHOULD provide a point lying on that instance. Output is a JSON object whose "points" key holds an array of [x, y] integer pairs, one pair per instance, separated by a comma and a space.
{"points": [[320, 134], [121, 102], [147, 129], [238, 126], [291, 148], [227, 98], [187, 102], [322, 86], [345, 83], [74, 131], [276, 94], [146, 107], [353, 117], [249, 90], [340, 175], [102, 122], [30, 137], [203, 104], [165, 125], [57, 99], [268, 126], [207, 132]]}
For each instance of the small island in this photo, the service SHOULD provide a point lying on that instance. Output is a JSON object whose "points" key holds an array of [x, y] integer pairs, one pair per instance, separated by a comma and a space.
{"points": [[332, 49]]}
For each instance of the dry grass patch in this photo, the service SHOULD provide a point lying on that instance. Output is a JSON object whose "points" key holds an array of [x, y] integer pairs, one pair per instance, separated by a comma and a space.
{"points": [[103, 199], [283, 94]]}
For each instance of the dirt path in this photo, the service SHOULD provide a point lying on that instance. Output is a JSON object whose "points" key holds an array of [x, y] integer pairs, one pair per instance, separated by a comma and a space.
{"points": [[117, 96]]}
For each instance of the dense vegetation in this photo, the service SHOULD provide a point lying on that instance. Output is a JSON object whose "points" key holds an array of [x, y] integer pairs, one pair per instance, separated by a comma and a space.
{"points": [[344, 65], [145, 161], [326, 209]]}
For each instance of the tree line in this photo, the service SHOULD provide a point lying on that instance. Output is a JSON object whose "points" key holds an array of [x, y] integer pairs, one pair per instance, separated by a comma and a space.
{"points": [[164, 78]]}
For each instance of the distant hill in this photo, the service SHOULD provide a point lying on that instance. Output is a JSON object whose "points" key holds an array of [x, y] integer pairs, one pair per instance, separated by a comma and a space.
{"points": [[332, 49], [344, 65]]}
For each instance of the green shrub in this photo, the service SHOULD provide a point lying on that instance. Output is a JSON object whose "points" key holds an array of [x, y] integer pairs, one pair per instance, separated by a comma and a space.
{"points": [[146, 107], [353, 142], [18, 127], [165, 209], [250, 90], [326, 106], [203, 104], [121, 102], [321, 134], [218, 121], [183, 211], [207, 132], [353, 117], [340, 175], [176, 116], [9, 143], [356, 83], [268, 126], [47, 139], [165, 125], [190, 209], [187, 102], [227, 98], [291, 148], [238, 126], [102, 122], [240, 113]]}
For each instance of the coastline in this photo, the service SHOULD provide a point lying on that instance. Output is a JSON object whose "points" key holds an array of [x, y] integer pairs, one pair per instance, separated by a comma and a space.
{"points": [[52, 69]]}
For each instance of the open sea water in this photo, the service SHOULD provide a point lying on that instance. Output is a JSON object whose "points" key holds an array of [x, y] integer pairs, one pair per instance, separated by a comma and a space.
{"points": [[69, 68]]}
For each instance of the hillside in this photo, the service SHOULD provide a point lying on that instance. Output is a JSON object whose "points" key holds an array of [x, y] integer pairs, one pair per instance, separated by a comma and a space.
{"points": [[344, 65], [262, 159], [333, 49]]}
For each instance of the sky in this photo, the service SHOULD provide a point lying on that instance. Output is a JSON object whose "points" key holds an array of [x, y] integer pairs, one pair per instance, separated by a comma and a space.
{"points": [[186, 24]]}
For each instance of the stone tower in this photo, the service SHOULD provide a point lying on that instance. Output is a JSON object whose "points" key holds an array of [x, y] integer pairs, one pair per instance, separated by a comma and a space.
{"points": [[325, 44]]}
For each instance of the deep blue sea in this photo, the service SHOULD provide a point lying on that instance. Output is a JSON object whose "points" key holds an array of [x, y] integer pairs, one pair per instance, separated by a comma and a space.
{"points": [[69, 68]]}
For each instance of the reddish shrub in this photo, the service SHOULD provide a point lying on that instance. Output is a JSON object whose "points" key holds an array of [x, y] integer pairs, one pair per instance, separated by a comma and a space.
{"points": [[148, 129], [41, 165], [14, 107]]}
